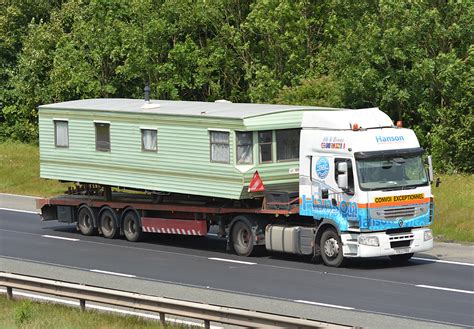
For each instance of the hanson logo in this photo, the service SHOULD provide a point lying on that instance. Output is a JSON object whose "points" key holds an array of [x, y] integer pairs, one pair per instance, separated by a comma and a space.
{"points": [[389, 139]]}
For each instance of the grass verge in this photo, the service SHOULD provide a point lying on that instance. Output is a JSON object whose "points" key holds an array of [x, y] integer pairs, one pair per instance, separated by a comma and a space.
{"points": [[19, 172], [454, 204], [454, 208], [27, 314]]}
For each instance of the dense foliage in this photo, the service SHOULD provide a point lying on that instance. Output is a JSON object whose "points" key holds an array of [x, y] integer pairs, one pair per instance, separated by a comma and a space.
{"points": [[413, 59]]}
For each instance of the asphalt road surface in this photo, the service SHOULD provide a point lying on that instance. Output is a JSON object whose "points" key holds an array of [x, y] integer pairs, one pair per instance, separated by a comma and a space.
{"points": [[424, 290]]}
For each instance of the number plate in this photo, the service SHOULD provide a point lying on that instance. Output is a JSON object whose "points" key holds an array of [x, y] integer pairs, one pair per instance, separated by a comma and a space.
{"points": [[402, 250]]}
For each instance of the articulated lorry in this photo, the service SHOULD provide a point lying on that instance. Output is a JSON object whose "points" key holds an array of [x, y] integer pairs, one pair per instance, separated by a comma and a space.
{"points": [[332, 183]]}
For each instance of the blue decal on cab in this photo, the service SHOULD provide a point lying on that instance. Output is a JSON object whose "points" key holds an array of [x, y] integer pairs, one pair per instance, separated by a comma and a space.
{"points": [[322, 167], [340, 214]]}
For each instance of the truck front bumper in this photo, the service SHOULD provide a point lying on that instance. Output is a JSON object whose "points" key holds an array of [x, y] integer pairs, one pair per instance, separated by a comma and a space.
{"points": [[419, 239]]}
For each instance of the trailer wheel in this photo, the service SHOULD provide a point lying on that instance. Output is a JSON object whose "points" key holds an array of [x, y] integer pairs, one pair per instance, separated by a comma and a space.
{"points": [[242, 238], [108, 223], [331, 248], [85, 221], [132, 227], [401, 259]]}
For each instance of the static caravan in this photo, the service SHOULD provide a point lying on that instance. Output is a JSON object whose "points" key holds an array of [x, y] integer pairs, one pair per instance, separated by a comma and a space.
{"points": [[192, 148]]}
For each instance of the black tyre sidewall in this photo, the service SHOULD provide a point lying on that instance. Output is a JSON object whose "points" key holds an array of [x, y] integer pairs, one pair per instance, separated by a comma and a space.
{"points": [[85, 229], [133, 237], [339, 259], [112, 234], [240, 249]]}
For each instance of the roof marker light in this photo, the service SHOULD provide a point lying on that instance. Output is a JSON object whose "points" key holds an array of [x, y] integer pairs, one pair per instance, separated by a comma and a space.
{"points": [[399, 124], [355, 126]]}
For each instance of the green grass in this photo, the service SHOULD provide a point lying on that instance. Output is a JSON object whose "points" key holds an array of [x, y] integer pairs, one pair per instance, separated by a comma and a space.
{"points": [[26, 314], [19, 172], [454, 210]]}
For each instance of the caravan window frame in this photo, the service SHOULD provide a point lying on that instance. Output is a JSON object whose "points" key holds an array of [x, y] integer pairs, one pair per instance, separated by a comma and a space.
{"points": [[144, 148], [98, 148], [55, 122], [239, 144], [211, 143], [297, 148], [265, 143]]}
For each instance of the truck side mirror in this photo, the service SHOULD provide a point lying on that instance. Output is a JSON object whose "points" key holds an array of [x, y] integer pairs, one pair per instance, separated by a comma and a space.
{"points": [[324, 193], [430, 168], [342, 177]]}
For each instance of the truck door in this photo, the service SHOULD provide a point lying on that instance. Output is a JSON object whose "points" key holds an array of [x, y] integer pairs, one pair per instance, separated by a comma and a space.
{"points": [[345, 198]]}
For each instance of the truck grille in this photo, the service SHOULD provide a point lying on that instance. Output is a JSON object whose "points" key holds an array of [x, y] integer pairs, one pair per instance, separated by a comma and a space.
{"points": [[392, 213], [402, 212]]}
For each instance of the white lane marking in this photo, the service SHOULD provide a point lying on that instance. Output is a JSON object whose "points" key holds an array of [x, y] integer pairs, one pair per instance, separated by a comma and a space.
{"points": [[213, 234], [232, 261], [59, 238], [18, 210], [114, 273], [324, 304], [445, 289], [107, 309], [21, 196], [443, 261]]}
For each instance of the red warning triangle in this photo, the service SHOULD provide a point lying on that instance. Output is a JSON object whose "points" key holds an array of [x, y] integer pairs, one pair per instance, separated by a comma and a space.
{"points": [[256, 184]]}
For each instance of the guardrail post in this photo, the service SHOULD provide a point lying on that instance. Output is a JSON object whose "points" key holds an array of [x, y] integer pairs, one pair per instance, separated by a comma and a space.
{"points": [[9, 293], [82, 303], [207, 324], [162, 318]]}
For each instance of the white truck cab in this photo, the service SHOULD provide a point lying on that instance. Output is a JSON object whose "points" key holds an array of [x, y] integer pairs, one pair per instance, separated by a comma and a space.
{"points": [[365, 180]]}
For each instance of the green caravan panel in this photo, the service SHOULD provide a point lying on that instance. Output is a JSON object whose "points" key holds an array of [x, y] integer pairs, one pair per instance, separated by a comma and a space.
{"points": [[181, 164]]}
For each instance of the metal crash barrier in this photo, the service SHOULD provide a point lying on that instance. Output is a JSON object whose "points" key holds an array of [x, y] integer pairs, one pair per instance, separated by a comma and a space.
{"points": [[161, 305]]}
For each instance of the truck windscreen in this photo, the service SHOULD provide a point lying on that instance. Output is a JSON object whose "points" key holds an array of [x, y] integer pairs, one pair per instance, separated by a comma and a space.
{"points": [[391, 173]]}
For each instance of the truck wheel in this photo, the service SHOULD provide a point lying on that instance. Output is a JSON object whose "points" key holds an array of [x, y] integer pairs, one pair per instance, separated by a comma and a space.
{"points": [[85, 221], [331, 248], [108, 223], [401, 259], [132, 227], [242, 238]]}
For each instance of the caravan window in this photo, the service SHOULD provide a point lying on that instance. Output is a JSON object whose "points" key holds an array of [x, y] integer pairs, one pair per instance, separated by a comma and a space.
{"points": [[149, 140], [265, 140], [288, 144], [102, 136], [61, 133], [244, 147], [220, 150]]}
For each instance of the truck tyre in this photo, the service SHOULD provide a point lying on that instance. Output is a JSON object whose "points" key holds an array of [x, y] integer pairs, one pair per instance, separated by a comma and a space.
{"points": [[242, 237], [132, 227], [85, 221], [401, 259], [331, 248], [108, 223]]}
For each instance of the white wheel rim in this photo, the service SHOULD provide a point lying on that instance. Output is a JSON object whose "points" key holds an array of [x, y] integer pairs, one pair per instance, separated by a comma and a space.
{"points": [[331, 247]]}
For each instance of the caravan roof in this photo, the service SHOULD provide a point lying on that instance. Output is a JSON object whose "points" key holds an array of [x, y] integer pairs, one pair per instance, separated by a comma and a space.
{"points": [[186, 108]]}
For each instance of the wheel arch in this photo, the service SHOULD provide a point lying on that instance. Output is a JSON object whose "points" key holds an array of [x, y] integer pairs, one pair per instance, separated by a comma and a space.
{"points": [[325, 224]]}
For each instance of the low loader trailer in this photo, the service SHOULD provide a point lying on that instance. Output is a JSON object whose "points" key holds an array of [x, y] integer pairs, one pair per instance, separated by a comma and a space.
{"points": [[331, 183]]}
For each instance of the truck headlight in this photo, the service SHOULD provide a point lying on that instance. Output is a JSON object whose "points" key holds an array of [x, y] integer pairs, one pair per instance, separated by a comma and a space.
{"points": [[428, 235], [369, 240]]}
